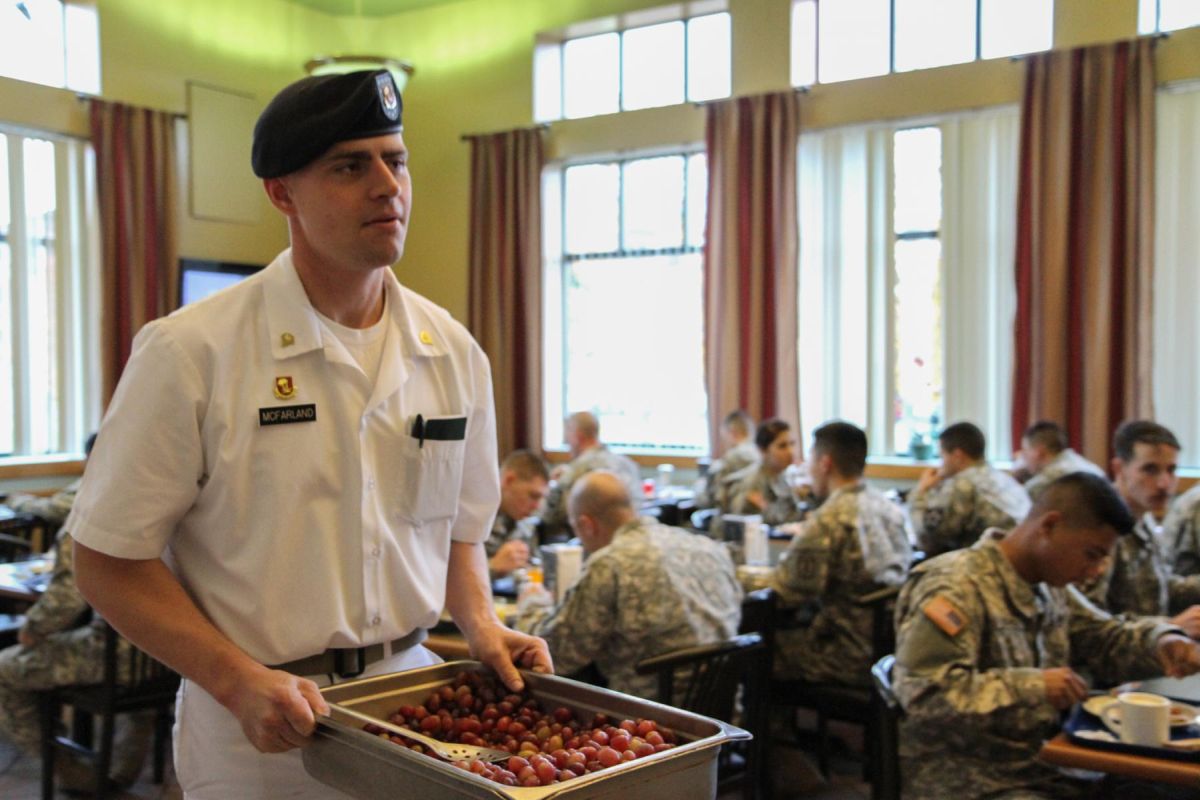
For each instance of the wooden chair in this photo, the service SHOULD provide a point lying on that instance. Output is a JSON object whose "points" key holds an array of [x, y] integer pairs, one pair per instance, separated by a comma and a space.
{"points": [[714, 674], [838, 701], [25, 533], [133, 681]]}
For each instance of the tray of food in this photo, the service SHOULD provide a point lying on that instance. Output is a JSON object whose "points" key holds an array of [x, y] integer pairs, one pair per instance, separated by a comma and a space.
{"points": [[1085, 726], [566, 739]]}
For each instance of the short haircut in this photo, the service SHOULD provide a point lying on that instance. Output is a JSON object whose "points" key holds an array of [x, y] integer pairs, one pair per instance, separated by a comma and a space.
{"points": [[1048, 434], [739, 422], [602, 495], [846, 444], [768, 431], [586, 424], [526, 465], [964, 436], [1141, 431], [1085, 501]]}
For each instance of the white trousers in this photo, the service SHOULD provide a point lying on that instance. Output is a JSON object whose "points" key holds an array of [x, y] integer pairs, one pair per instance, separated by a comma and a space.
{"points": [[215, 761]]}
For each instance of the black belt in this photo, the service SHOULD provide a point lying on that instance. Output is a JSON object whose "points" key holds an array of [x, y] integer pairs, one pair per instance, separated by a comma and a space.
{"points": [[348, 662]]}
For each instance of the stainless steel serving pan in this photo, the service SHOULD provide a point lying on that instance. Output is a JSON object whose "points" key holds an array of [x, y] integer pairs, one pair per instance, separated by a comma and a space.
{"points": [[368, 767]]}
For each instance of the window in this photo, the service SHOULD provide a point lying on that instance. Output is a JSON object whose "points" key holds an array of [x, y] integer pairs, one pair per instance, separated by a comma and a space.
{"points": [[48, 296], [1155, 16], [1176, 295], [840, 40], [52, 43], [654, 60], [624, 300], [906, 292]]}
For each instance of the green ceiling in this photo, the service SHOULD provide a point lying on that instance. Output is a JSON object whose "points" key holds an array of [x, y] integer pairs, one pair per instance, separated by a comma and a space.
{"points": [[368, 8]]}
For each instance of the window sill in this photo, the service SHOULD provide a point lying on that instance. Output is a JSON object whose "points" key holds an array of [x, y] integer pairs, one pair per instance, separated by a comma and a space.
{"points": [[14, 467]]}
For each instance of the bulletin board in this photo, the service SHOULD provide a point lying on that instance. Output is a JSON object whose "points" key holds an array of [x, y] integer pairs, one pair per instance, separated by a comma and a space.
{"points": [[220, 128]]}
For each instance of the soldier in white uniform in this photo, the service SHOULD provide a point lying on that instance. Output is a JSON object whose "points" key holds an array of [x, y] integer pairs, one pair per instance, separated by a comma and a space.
{"points": [[953, 505], [1046, 457], [297, 474]]}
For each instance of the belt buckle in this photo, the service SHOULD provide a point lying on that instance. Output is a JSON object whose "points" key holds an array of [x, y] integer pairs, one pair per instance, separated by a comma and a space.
{"points": [[339, 661]]}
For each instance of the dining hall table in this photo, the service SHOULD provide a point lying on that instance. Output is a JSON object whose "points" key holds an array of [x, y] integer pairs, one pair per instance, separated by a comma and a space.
{"points": [[1061, 751]]}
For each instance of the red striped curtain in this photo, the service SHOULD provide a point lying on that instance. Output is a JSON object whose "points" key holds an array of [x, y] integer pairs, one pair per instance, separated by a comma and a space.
{"points": [[505, 281], [750, 258], [135, 173], [1085, 229]]}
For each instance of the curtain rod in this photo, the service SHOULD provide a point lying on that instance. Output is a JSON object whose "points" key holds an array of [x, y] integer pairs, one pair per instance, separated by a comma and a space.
{"points": [[703, 103], [83, 97], [466, 137], [1152, 36]]}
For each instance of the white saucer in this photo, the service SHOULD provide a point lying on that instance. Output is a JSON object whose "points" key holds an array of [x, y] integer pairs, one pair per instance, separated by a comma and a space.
{"points": [[1181, 713]]}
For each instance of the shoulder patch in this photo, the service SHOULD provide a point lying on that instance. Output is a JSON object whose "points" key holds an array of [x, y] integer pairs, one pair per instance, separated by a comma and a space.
{"points": [[941, 612]]}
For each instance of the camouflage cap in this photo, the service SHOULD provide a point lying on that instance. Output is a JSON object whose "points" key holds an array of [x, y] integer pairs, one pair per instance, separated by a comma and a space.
{"points": [[311, 115]]}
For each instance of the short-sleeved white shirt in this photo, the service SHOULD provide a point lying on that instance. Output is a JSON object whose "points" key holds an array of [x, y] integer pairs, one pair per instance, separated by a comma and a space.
{"points": [[331, 530]]}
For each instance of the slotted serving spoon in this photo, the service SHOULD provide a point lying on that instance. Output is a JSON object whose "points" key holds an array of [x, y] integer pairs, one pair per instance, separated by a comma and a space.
{"points": [[447, 750]]}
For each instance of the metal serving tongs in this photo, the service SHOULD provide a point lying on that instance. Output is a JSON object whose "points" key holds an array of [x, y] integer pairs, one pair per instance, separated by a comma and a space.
{"points": [[447, 750]]}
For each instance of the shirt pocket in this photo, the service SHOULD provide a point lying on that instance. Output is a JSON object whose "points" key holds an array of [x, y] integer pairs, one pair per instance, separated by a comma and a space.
{"points": [[431, 478]]}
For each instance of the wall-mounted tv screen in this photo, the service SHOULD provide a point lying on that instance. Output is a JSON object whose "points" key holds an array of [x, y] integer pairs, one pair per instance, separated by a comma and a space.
{"points": [[199, 278]]}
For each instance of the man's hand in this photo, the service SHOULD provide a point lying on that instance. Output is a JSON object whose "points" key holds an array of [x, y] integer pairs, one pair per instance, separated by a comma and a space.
{"points": [[929, 478], [1189, 620], [277, 710], [1064, 687], [504, 649], [757, 500], [511, 555], [1179, 655]]}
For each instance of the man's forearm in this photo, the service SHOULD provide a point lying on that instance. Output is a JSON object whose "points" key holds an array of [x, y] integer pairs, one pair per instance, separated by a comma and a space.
{"points": [[145, 602], [468, 589]]}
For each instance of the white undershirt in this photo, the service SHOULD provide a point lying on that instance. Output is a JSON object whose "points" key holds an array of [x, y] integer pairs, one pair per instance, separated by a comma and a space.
{"points": [[365, 345]]}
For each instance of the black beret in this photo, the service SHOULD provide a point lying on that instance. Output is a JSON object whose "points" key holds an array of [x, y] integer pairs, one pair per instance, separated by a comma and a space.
{"points": [[311, 115]]}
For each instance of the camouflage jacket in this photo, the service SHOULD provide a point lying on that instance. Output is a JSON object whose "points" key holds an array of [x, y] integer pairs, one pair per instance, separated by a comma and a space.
{"points": [[554, 509], [652, 590], [61, 606], [1138, 579], [1181, 532], [974, 698], [855, 543], [1064, 463], [954, 513], [782, 504], [54, 509], [718, 485]]}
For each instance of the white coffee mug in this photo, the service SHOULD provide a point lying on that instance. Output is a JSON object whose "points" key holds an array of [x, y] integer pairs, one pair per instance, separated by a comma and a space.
{"points": [[1140, 718]]}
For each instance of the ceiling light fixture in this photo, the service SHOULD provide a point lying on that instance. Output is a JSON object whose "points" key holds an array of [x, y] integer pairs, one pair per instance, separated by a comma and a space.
{"points": [[338, 65]]}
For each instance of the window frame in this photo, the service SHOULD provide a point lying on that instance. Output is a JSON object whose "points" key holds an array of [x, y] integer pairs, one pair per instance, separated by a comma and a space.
{"points": [[549, 46], [556, 263], [816, 52]]}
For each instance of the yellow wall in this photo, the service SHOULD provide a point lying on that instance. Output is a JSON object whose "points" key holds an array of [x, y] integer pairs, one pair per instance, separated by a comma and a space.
{"points": [[474, 66]]}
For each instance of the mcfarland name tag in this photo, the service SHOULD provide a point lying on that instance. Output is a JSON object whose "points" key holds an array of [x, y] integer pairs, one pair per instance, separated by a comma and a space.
{"points": [[285, 415]]}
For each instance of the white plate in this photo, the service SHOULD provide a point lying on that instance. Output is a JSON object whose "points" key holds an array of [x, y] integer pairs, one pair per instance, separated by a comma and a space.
{"points": [[1181, 713]]}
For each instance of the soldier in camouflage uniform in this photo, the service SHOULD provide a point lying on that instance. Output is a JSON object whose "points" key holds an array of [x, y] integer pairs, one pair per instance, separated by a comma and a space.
{"points": [[524, 481], [55, 649], [986, 640], [1181, 532], [856, 542], [740, 454], [1138, 579], [764, 489], [645, 589], [587, 454], [950, 507], [1045, 454]]}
